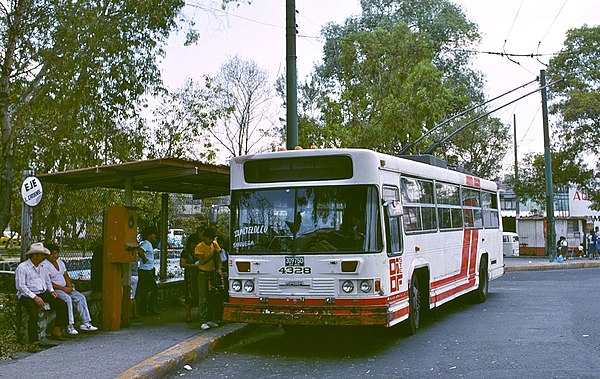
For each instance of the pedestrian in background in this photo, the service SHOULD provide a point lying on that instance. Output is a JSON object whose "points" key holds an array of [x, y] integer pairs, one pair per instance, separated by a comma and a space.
{"points": [[189, 263], [147, 289], [208, 254], [592, 249], [563, 247], [597, 239]]}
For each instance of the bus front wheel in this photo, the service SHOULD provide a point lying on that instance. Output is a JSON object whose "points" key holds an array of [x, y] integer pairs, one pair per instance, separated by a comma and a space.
{"points": [[414, 304]]}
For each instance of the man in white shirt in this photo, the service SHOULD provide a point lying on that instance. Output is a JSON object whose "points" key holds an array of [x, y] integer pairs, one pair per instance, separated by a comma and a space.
{"points": [[147, 289], [65, 289], [35, 292]]}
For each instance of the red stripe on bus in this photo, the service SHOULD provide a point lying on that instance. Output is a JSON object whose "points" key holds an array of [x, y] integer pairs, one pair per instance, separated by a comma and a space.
{"points": [[296, 301], [400, 313], [452, 291], [474, 246]]}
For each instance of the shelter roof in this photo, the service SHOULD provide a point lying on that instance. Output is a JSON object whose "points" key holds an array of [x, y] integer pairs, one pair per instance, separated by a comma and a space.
{"points": [[172, 175]]}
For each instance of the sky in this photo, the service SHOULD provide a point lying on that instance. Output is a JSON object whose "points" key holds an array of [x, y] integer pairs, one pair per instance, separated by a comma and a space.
{"points": [[257, 32]]}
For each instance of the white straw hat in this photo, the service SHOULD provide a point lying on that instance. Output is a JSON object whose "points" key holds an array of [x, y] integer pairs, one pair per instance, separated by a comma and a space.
{"points": [[37, 247]]}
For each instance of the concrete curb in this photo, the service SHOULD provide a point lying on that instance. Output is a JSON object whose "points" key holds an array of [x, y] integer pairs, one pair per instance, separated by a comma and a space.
{"points": [[190, 350], [553, 266]]}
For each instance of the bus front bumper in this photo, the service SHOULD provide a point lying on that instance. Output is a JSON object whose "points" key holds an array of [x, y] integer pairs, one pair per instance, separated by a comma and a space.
{"points": [[306, 315]]}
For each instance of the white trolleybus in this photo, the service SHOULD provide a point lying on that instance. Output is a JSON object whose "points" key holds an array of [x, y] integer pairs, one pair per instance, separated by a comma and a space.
{"points": [[354, 237]]}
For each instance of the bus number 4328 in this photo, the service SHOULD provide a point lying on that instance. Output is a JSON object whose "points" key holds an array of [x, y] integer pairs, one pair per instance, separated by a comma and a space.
{"points": [[295, 270]]}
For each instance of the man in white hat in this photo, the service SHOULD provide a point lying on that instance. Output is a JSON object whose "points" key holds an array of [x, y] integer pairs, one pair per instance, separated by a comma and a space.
{"points": [[35, 291]]}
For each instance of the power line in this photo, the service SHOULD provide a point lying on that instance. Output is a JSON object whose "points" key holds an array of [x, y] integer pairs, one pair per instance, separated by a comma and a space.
{"points": [[513, 24], [530, 124], [552, 24], [505, 54], [548, 30], [205, 8]]}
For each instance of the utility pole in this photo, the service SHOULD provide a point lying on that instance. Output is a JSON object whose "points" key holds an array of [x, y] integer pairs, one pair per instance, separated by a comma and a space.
{"points": [[517, 206], [551, 240], [291, 82]]}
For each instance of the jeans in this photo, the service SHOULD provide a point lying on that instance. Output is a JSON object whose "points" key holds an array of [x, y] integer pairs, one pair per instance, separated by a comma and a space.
{"points": [[82, 307], [146, 292], [205, 279]]}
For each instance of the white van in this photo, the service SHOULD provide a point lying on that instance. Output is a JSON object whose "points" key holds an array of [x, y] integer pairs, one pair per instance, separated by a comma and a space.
{"points": [[510, 244]]}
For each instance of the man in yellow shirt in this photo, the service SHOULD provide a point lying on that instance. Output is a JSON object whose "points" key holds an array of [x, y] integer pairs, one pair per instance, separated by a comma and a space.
{"points": [[209, 264]]}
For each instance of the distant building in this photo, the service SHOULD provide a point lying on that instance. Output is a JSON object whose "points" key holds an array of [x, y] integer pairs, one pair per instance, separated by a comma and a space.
{"points": [[573, 219]]}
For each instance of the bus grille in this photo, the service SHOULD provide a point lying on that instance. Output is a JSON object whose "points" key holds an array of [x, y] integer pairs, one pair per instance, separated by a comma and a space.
{"points": [[317, 287]]}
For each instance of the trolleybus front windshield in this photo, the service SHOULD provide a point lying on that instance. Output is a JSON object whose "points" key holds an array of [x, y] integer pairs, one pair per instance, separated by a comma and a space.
{"points": [[306, 220]]}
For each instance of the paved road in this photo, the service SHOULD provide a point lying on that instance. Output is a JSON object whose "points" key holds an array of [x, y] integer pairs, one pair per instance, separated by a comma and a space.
{"points": [[535, 324]]}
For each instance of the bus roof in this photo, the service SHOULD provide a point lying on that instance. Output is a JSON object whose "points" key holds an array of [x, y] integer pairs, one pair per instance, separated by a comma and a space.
{"points": [[364, 161]]}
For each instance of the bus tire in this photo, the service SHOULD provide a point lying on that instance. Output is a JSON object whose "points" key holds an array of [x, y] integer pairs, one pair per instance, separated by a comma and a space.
{"points": [[414, 305], [483, 288]]}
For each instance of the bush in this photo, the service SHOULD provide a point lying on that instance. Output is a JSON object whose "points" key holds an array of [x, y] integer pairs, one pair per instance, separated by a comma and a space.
{"points": [[8, 326]]}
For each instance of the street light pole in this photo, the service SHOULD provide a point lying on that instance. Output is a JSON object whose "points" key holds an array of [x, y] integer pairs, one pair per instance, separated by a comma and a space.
{"points": [[551, 240], [291, 83]]}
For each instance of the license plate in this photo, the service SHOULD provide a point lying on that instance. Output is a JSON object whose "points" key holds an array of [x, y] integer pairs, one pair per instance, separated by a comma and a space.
{"points": [[294, 261]]}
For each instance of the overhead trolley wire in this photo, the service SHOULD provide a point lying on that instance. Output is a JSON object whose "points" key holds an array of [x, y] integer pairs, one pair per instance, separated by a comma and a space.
{"points": [[437, 144], [410, 145]]}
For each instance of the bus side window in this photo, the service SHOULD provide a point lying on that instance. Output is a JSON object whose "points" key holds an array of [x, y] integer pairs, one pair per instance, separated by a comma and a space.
{"points": [[394, 237]]}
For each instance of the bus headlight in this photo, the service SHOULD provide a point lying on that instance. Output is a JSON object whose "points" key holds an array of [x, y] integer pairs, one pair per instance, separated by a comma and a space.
{"points": [[248, 286], [365, 286], [347, 286], [236, 285]]}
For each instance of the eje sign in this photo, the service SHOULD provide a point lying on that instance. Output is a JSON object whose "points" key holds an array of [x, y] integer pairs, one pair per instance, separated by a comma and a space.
{"points": [[31, 191]]}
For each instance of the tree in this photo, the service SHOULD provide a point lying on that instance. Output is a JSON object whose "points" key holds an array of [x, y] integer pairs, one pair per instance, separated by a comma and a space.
{"points": [[71, 79], [391, 74], [245, 91], [482, 159], [182, 118], [567, 168], [576, 104]]}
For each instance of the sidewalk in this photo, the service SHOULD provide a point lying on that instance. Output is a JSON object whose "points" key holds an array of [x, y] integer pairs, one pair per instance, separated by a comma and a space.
{"points": [[154, 346], [149, 348], [542, 263]]}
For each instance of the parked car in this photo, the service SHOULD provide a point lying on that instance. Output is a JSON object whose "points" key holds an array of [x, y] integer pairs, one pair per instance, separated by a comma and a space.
{"points": [[7, 237], [510, 243]]}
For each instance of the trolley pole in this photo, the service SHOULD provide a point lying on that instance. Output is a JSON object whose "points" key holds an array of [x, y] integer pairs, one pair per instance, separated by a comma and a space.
{"points": [[551, 240]]}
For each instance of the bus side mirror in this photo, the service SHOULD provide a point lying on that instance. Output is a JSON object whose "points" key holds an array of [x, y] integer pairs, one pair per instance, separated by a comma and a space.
{"points": [[394, 208]]}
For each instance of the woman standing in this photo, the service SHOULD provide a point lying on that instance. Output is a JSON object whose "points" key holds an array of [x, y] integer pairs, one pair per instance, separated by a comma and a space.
{"points": [[188, 262]]}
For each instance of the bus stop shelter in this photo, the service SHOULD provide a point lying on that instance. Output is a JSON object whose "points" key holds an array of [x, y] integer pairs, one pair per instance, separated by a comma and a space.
{"points": [[165, 175]]}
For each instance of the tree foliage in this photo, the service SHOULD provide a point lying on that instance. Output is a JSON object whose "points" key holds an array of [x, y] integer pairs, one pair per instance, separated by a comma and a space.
{"points": [[576, 105], [182, 118], [71, 82], [567, 168], [392, 73]]}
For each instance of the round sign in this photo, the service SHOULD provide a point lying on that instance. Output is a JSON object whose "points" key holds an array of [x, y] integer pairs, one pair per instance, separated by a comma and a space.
{"points": [[31, 191]]}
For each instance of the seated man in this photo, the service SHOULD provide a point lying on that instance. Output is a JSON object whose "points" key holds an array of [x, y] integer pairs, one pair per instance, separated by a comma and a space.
{"points": [[34, 290], [65, 289]]}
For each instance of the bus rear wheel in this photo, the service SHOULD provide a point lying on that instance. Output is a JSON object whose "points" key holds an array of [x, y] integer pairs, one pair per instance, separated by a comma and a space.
{"points": [[414, 305], [484, 282]]}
